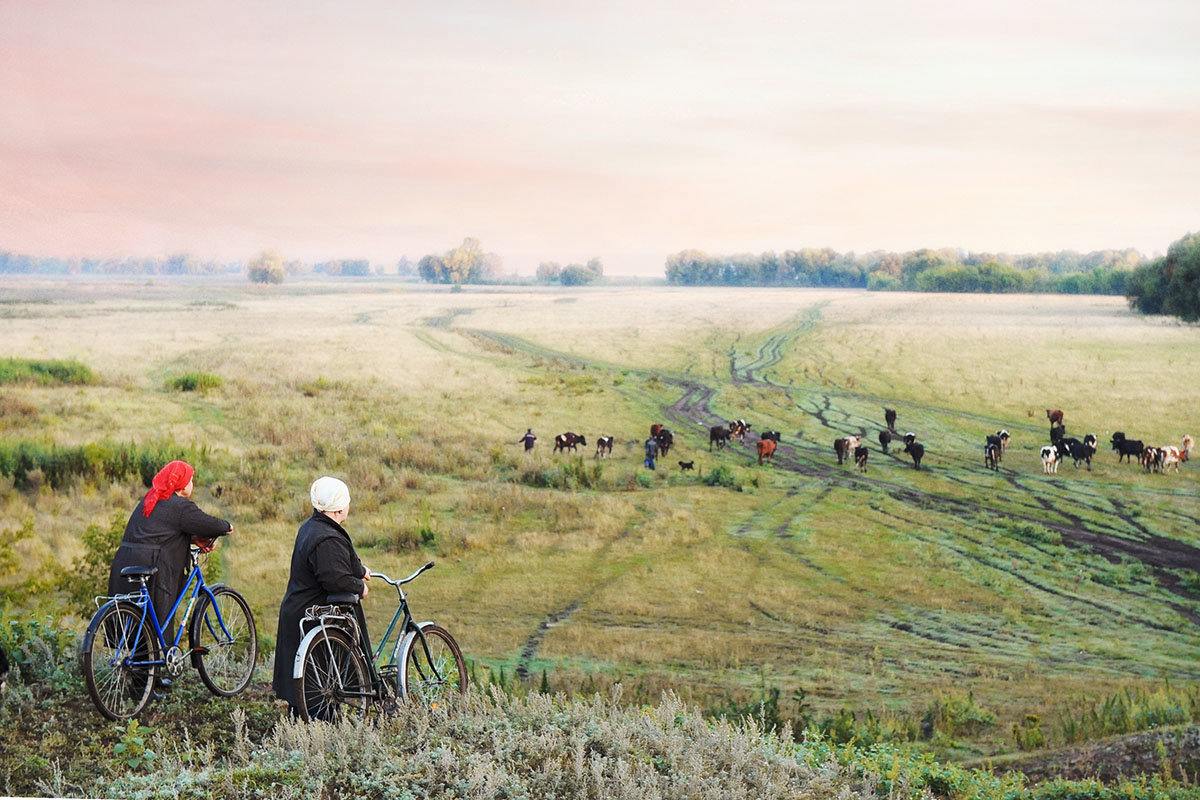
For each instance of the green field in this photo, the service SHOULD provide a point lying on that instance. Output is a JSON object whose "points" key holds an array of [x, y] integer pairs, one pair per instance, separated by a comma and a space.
{"points": [[884, 590]]}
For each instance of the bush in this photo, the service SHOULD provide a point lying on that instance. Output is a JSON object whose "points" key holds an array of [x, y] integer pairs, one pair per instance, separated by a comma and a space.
{"points": [[721, 476], [20, 370], [87, 576], [28, 463], [195, 382]]}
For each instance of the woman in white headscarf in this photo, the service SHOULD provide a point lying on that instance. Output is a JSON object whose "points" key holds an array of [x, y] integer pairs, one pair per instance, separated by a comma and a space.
{"points": [[323, 563]]}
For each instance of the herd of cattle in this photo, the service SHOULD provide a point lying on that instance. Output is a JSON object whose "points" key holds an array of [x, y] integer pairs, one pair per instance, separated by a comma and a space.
{"points": [[1061, 447]]}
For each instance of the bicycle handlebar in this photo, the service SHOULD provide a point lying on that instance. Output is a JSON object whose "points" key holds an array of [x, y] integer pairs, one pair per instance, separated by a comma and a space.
{"points": [[400, 583]]}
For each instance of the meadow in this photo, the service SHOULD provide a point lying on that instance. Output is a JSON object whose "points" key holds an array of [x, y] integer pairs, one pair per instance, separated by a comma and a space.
{"points": [[1004, 594]]}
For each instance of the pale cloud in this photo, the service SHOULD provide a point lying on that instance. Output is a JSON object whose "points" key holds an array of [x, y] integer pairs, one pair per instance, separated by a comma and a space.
{"points": [[628, 131]]}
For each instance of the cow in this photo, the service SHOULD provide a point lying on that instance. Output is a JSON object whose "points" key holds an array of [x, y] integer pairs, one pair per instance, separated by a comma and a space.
{"points": [[916, 450], [604, 447], [991, 456], [686, 465], [1050, 460], [909, 438], [885, 439], [666, 440], [845, 447], [994, 440], [1126, 448], [860, 457], [1152, 459], [766, 449], [568, 440], [654, 429], [774, 436], [738, 428], [1172, 456], [1004, 437], [889, 416], [718, 434], [1057, 433], [1077, 450], [1055, 415]]}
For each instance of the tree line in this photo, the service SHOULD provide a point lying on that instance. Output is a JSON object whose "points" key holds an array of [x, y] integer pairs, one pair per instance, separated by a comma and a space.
{"points": [[1171, 284], [925, 270]]}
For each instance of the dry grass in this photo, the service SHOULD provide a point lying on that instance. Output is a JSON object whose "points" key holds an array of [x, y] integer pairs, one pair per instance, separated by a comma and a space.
{"points": [[804, 579]]}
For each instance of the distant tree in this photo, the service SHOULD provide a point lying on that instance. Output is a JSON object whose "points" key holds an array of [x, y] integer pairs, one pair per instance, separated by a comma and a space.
{"points": [[577, 275], [549, 271], [405, 267], [466, 263], [1169, 285], [267, 267]]}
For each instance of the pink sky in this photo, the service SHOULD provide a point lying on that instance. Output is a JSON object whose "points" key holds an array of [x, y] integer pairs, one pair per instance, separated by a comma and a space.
{"points": [[562, 131]]}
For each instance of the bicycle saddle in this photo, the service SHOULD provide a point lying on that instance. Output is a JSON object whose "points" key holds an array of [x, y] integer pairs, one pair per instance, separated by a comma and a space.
{"points": [[133, 573], [342, 599]]}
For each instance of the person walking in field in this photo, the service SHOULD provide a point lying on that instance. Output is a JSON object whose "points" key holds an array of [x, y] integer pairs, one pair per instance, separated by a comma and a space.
{"points": [[324, 562], [528, 439], [651, 452]]}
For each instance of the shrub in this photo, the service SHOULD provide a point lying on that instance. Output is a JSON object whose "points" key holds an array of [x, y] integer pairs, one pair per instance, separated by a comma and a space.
{"points": [[88, 575], [21, 370], [195, 382], [721, 476], [25, 461], [1028, 735], [956, 714]]}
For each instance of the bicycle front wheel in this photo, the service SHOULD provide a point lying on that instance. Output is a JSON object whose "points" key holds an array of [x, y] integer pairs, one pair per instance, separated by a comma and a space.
{"points": [[116, 648], [224, 642], [429, 676], [334, 680]]}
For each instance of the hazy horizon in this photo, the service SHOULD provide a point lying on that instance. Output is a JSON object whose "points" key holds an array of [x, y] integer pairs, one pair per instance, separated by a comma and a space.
{"points": [[625, 131]]}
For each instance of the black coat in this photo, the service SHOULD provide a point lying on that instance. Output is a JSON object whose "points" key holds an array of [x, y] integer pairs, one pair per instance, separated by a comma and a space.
{"points": [[323, 563], [161, 540]]}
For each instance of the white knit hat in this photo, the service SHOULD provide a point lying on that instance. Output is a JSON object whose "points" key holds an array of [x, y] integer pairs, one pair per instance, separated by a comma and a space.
{"points": [[329, 494]]}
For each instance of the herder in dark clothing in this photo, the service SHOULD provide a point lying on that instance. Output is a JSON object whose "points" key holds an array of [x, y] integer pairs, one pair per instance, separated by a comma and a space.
{"points": [[528, 439], [651, 452], [162, 526], [323, 563]]}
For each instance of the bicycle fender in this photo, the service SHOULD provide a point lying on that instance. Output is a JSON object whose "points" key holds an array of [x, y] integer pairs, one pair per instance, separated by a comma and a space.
{"points": [[305, 643], [408, 637]]}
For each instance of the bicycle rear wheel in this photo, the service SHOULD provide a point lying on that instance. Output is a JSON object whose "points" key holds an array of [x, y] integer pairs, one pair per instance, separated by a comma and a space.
{"points": [[334, 679], [114, 637], [430, 677], [224, 647]]}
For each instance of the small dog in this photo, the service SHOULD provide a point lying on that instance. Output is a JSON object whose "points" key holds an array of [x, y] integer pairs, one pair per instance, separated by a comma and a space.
{"points": [[687, 464]]}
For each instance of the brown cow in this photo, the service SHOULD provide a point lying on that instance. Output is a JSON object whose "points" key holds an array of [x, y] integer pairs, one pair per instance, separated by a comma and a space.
{"points": [[766, 449], [1055, 415]]}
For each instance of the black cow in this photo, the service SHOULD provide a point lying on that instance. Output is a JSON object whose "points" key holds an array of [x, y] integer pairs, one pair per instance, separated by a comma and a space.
{"points": [[1077, 450], [885, 439], [994, 440], [568, 441], [889, 416], [1057, 433], [718, 434], [845, 447], [666, 440], [604, 447], [914, 449], [1126, 448], [860, 457], [687, 465], [774, 436], [991, 455], [1004, 437]]}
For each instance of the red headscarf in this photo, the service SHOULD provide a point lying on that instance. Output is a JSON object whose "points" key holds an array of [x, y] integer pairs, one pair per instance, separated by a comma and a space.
{"points": [[170, 479]]}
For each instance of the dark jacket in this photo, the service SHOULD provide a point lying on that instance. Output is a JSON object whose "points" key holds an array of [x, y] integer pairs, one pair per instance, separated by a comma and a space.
{"points": [[161, 540], [323, 563]]}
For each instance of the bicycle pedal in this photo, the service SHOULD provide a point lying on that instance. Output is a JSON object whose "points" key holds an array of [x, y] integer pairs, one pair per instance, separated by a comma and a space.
{"points": [[200, 651]]}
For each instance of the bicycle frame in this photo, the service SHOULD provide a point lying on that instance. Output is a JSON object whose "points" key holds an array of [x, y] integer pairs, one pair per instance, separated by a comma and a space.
{"points": [[407, 626], [142, 599]]}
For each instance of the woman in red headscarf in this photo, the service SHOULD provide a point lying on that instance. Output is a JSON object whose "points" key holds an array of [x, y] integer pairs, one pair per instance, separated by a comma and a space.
{"points": [[158, 534]]}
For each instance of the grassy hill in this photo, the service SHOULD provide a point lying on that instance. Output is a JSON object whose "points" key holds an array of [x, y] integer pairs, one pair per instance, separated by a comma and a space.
{"points": [[950, 603]]}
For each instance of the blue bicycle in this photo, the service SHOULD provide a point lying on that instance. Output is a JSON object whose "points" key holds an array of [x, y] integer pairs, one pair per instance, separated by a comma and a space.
{"points": [[125, 647]]}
